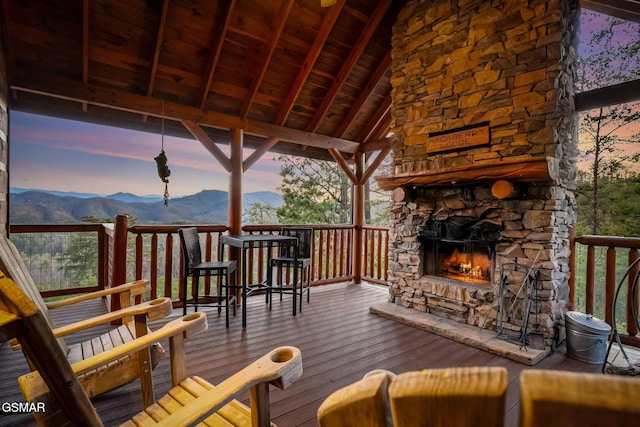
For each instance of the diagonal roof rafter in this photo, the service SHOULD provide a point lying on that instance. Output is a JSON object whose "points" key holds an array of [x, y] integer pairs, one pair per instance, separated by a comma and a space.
{"points": [[354, 54]]}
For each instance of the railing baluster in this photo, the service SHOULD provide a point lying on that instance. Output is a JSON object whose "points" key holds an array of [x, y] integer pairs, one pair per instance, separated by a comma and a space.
{"points": [[208, 258], [379, 254], [591, 278], [334, 260], [326, 255], [154, 262], [320, 252], [632, 294], [168, 264], [610, 284]]}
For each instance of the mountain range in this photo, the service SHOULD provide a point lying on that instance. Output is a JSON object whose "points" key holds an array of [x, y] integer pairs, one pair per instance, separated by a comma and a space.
{"points": [[55, 207]]}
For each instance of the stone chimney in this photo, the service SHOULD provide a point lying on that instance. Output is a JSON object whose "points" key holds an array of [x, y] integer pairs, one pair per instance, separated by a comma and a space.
{"points": [[483, 96]]}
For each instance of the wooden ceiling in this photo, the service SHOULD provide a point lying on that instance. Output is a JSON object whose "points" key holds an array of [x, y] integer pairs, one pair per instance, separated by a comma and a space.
{"points": [[297, 77]]}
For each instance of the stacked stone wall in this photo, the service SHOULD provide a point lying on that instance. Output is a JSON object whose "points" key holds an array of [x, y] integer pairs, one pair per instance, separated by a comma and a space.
{"points": [[509, 65]]}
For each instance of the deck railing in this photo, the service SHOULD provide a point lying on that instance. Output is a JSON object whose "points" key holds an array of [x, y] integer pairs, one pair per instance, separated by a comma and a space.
{"points": [[41, 247], [153, 252], [603, 272]]}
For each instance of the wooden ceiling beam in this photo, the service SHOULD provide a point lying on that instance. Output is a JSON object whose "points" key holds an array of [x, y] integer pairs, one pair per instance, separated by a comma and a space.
{"points": [[85, 46], [258, 152], [350, 62], [313, 52], [309, 139], [156, 53], [373, 165], [267, 53], [343, 165], [624, 9], [620, 93], [375, 145], [199, 134], [378, 73], [61, 88], [373, 125], [217, 39]]}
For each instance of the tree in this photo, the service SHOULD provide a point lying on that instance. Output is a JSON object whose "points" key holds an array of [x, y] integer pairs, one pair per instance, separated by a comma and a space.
{"points": [[259, 213], [378, 201], [612, 56], [79, 259], [313, 191]]}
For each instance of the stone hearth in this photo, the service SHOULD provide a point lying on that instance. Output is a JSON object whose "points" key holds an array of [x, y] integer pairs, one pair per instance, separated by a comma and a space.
{"points": [[482, 95], [479, 338]]}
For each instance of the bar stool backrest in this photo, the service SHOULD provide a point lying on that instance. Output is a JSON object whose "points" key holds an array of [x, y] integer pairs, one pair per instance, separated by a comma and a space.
{"points": [[304, 235], [190, 247]]}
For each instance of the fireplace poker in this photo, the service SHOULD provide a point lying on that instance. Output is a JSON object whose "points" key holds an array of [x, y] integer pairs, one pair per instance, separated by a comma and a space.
{"points": [[526, 279], [498, 300], [536, 341]]}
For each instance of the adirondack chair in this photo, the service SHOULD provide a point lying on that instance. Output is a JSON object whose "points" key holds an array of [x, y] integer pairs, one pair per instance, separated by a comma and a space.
{"points": [[107, 377], [189, 401], [467, 396], [578, 399]]}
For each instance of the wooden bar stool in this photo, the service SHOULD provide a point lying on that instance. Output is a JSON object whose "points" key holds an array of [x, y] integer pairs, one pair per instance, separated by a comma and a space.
{"points": [[193, 266]]}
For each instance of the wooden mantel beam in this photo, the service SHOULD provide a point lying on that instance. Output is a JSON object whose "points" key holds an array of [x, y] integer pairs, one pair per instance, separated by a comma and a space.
{"points": [[526, 170], [61, 88]]}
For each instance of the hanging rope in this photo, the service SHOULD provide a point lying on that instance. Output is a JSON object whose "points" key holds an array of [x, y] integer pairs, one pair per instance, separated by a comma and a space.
{"points": [[161, 163]]}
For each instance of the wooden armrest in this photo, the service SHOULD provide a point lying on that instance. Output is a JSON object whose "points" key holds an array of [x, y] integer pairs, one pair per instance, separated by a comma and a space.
{"points": [[134, 288], [189, 325], [9, 326], [281, 367], [154, 310]]}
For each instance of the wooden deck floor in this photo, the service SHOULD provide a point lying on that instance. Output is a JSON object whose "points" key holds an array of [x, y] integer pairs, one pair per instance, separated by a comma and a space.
{"points": [[340, 342]]}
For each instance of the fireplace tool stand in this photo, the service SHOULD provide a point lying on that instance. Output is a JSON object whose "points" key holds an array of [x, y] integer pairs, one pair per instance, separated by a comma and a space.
{"points": [[633, 367], [505, 306], [535, 340]]}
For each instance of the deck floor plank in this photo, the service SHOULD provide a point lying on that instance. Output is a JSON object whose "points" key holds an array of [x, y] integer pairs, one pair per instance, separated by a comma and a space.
{"points": [[339, 339]]}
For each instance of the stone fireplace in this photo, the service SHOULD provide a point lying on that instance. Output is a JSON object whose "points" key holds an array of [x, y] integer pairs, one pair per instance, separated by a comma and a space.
{"points": [[484, 152]]}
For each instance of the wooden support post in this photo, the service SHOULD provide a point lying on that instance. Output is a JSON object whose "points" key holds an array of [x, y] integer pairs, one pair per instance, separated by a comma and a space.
{"points": [[235, 182], [119, 256], [358, 218], [235, 198]]}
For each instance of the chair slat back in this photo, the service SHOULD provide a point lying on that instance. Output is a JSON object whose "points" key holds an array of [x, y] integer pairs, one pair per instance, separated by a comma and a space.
{"points": [[463, 397], [38, 344], [190, 243], [365, 402], [577, 399], [304, 236], [13, 266]]}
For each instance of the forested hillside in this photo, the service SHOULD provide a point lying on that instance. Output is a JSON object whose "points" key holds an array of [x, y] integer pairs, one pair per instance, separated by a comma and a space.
{"points": [[206, 207]]}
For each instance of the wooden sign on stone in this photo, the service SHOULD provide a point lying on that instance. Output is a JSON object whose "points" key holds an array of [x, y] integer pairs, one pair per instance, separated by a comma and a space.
{"points": [[457, 139]]}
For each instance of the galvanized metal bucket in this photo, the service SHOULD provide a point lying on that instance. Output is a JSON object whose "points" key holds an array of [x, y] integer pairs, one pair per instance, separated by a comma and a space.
{"points": [[587, 337]]}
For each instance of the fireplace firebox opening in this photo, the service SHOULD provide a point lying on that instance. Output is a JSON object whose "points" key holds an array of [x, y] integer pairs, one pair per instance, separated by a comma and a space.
{"points": [[467, 261]]}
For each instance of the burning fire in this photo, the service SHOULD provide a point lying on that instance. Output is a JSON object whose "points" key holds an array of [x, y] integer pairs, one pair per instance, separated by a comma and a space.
{"points": [[462, 265]]}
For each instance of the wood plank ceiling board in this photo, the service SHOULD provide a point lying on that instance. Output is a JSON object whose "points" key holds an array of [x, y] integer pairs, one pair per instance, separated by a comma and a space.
{"points": [[271, 62], [317, 71]]}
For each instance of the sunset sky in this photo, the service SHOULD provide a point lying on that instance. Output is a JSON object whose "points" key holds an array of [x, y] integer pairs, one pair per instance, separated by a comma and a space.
{"points": [[62, 155]]}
